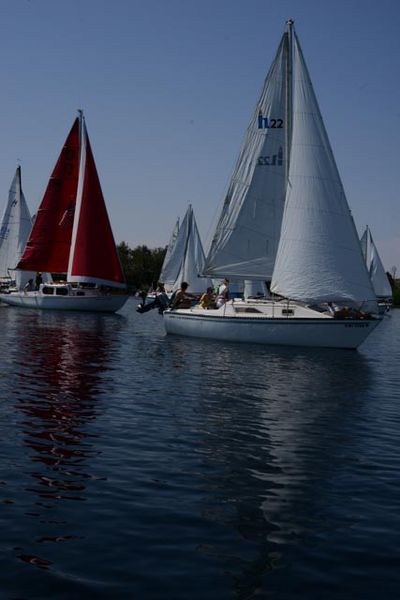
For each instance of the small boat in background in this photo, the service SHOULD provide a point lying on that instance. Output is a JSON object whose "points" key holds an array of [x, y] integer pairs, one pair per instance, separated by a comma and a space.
{"points": [[167, 267], [72, 237], [186, 259], [377, 274], [15, 227]]}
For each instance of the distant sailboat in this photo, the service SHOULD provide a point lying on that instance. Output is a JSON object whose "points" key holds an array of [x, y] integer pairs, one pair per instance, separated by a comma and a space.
{"points": [[15, 228], [286, 219], [168, 271], [187, 258], [72, 236], [379, 279]]}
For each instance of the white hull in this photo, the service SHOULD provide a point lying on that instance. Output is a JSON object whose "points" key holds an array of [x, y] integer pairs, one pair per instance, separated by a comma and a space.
{"points": [[308, 328], [99, 303]]}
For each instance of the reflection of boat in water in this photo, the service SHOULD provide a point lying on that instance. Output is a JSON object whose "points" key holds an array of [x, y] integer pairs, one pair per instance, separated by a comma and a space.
{"points": [[59, 391], [285, 218], [72, 236], [58, 384], [276, 447]]}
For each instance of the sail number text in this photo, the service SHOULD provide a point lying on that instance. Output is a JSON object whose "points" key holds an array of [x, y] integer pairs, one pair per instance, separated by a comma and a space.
{"points": [[267, 123], [271, 160]]}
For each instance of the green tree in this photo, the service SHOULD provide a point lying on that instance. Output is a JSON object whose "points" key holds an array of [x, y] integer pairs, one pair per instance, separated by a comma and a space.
{"points": [[141, 265]]}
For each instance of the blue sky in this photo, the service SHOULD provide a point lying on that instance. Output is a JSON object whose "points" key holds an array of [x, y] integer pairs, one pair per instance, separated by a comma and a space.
{"points": [[168, 87]]}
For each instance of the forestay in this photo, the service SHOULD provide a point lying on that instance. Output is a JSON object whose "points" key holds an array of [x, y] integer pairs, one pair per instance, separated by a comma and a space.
{"points": [[246, 237], [319, 256]]}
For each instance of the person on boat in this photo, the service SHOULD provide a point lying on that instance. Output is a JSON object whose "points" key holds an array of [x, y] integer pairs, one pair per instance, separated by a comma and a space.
{"points": [[160, 301], [29, 287], [207, 300], [223, 293], [38, 280], [182, 298]]}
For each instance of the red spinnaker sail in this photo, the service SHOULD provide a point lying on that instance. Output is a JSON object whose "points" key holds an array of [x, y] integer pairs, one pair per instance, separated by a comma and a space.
{"points": [[50, 239], [95, 256]]}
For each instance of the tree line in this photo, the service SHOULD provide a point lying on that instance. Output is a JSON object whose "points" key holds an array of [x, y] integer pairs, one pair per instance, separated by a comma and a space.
{"points": [[141, 265], [142, 268]]}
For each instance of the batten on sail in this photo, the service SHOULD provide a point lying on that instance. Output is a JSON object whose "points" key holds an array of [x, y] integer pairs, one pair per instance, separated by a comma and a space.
{"points": [[319, 257], [247, 234], [93, 257]]}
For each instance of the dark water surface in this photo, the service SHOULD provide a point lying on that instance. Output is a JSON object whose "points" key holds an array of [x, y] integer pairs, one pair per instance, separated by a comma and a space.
{"points": [[139, 466]]}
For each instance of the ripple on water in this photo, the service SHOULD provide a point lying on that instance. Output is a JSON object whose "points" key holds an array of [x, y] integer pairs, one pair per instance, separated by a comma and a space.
{"points": [[140, 465]]}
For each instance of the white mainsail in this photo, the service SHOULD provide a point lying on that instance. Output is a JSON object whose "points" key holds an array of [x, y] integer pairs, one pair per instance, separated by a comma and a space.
{"points": [[375, 267], [319, 257], [191, 255], [169, 269], [247, 235], [15, 227]]}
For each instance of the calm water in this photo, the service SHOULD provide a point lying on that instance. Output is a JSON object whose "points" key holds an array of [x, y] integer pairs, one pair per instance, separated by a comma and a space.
{"points": [[139, 466]]}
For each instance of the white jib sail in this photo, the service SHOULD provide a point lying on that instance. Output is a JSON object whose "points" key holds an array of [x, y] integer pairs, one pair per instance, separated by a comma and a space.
{"points": [[15, 228], [319, 257], [375, 267], [247, 234], [169, 270], [192, 256]]}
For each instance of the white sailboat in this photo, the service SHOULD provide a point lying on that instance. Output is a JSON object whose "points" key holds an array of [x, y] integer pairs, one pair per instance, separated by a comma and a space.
{"points": [[169, 267], [286, 218], [375, 267], [379, 279], [168, 270], [72, 236], [187, 258], [15, 228]]}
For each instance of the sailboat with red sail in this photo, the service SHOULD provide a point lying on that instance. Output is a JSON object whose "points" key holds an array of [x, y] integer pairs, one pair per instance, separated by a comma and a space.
{"points": [[72, 236]]}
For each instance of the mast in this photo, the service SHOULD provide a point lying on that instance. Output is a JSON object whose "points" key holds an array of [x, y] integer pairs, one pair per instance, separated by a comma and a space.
{"points": [[289, 92], [78, 201], [19, 182]]}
